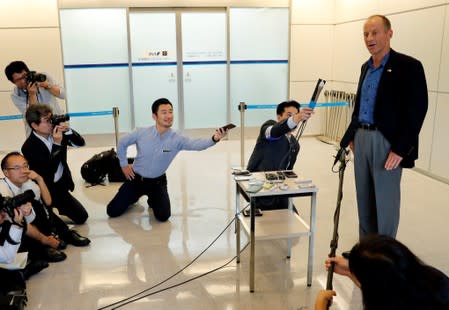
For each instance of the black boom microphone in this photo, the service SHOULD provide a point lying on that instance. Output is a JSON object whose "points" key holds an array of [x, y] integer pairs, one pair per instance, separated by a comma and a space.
{"points": [[339, 155], [316, 93]]}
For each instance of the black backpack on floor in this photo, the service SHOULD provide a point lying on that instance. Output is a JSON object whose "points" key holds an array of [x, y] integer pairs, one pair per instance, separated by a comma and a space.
{"points": [[106, 163], [96, 168]]}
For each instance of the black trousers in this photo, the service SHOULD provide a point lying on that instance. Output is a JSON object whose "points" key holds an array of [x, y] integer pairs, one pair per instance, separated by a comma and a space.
{"points": [[48, 222], [67, 204], [131, 191]]}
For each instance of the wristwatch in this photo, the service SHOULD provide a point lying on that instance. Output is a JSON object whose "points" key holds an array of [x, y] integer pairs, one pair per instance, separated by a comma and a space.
{"points": [[49, 86]]}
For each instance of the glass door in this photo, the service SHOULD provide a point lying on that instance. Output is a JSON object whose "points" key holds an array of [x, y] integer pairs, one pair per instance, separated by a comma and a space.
{"points": [[154, 63], [204, 68], [188, 44]]}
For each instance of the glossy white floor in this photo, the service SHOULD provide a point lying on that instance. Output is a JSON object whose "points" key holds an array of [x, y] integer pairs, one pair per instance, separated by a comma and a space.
{"points": [[134, 252]]}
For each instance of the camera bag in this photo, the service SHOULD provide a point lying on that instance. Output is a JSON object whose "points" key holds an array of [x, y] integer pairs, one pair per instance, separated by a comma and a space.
{"points": [[94, 170], [103, 164]]}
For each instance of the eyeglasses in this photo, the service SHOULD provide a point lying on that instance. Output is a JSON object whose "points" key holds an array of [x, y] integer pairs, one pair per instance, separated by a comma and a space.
{"points": [[17, 168], [20, 78]]}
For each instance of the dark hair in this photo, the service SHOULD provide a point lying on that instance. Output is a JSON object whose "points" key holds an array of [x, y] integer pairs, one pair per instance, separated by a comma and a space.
{"points": [[285, 104], [158, 102], [7, 156], [15, 67], [385, 21], [35, 112], [392, 277]]}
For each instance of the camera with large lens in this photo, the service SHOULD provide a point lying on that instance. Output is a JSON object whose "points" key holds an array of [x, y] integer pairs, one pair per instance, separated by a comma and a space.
{"points": [[58, 119], [8, 204], [33, 77]]}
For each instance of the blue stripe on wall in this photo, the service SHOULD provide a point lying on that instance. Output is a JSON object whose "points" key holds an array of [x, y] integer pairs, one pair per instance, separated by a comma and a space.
{"points": [[89, 66], [173, 63]]}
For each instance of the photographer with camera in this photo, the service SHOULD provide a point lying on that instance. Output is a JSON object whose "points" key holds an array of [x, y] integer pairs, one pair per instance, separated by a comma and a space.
{"points": [[49, 234], [31, 88], [46, 152]]}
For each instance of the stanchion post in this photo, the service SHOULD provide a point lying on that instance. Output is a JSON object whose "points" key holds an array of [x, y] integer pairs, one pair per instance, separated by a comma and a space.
{"points": [[242, 108], [115, 113]]}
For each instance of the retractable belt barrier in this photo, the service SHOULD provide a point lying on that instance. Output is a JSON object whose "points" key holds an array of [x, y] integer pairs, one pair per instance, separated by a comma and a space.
{"points": [[73, 114], [303, 105], [114, 112]]}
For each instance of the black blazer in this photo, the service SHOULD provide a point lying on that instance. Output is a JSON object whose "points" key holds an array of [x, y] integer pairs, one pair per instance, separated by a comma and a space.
{"points": [[277, 154], [400, 108], [45, 163]]}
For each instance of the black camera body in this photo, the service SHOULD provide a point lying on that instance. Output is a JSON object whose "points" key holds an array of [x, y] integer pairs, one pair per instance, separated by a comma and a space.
{"points": [[8, 204], [58, 119], [33, 77]]}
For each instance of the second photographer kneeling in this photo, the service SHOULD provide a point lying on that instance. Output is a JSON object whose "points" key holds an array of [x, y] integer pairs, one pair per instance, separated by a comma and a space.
{"points": [[46, 152]]}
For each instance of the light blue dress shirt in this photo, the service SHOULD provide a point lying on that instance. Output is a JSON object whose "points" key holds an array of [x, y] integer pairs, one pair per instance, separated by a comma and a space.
{"points": [[155, 152]]}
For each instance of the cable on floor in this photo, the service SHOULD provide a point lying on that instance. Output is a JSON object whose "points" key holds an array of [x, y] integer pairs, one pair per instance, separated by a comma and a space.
{"points": [[135, 297]]}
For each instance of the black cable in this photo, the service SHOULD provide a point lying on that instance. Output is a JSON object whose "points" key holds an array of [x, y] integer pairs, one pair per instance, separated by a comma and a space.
{"points": [[181, 283], [176, 273]]}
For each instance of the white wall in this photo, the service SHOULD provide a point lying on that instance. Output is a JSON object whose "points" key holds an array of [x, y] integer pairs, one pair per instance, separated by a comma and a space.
{"points": [[312, 47], [29, 31], [420, 29]]}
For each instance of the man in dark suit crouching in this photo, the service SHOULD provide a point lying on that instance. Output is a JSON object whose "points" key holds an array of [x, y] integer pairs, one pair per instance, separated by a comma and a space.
{"points": [[46, 152]]}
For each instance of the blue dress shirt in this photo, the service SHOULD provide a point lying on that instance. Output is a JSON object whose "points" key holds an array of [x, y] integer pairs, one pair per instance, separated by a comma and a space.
{"points": [[155, 152], [369, 91]]}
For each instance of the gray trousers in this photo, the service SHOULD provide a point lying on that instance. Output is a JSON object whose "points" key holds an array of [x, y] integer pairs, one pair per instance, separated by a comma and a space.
{"points": [[378, 190]]}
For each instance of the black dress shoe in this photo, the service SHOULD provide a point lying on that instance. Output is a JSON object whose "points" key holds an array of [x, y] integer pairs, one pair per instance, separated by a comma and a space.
{"points": [[53, 255], [74, 238], [62, 245], [33, 267]]}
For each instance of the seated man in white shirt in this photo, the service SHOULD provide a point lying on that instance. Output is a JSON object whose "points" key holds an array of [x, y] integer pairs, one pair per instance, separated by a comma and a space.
{"points": [[18, 179]]}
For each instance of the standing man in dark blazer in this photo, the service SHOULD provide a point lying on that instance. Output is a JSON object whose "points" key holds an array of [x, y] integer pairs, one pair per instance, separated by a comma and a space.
{"points": [[46, 152], [390, 108]]}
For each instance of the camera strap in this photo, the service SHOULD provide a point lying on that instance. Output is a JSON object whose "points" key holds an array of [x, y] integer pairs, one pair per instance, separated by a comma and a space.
{"points": [[28, 95]]}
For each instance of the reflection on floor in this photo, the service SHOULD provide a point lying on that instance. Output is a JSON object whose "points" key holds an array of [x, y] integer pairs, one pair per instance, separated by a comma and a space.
{"points": [[134, 252]]}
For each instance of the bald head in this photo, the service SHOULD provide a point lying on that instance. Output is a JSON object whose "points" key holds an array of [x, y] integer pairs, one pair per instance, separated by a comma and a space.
{"points": [[385, 21]]}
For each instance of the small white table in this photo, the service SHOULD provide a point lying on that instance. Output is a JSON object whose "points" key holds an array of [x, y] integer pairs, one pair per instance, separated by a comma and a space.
{"points": [[275, 224]]}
